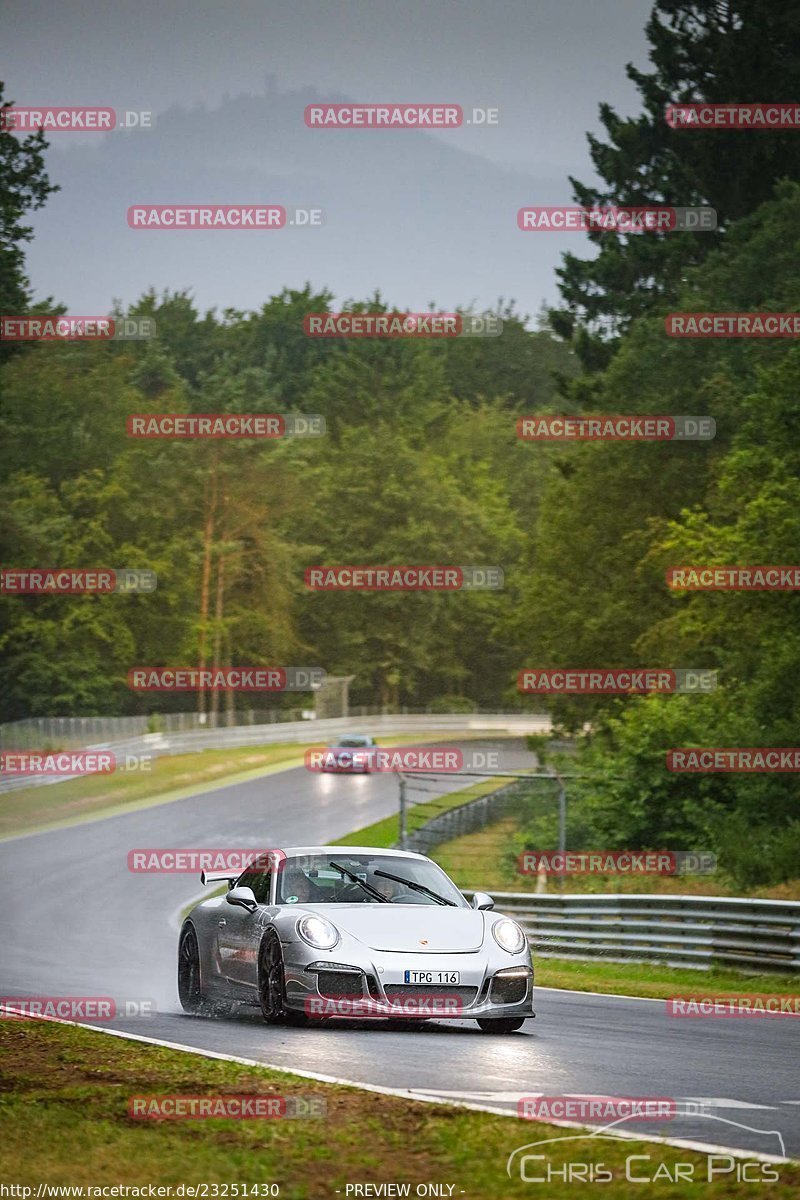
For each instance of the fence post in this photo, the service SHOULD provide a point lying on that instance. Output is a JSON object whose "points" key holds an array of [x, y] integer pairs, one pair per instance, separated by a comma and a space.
{"points": [[562, 822], [402, 830]]}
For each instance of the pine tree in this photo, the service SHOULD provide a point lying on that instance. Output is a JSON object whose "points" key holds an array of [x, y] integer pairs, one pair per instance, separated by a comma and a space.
{"points": [[23, 186], [713, 50]]}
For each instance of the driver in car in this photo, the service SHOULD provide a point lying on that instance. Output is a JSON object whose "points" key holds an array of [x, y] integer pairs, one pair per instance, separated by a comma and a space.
{"points": [[299, 889], [389, 888]]}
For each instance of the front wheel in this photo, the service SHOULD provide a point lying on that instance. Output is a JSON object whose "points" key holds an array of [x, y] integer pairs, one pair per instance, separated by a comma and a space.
{"points": [[270, 979], [272, 985], [503, 1025]]}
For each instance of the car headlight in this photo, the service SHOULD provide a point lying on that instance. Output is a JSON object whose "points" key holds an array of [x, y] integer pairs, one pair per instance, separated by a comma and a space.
{"points": [[318, 932], [509, 936]]}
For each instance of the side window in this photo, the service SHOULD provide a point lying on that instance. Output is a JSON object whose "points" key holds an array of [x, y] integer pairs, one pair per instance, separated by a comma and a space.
{"points": [[250, 878], [261, 886], [259, 879]]}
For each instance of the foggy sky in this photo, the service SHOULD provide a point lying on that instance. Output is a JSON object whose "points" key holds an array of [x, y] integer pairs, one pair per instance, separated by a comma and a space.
{"points": [[424, 217]]}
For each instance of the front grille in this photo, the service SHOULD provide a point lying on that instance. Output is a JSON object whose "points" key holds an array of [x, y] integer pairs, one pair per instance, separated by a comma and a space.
{"points": [[401, 991], [335, 984]]}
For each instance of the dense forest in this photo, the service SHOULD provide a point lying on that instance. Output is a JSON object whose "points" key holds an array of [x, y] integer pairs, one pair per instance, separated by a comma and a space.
{"points": [[421, 463]]}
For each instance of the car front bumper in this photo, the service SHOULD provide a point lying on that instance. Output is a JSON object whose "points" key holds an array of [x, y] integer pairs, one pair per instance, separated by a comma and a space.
{"points": [[334, 987], [346, 768]]}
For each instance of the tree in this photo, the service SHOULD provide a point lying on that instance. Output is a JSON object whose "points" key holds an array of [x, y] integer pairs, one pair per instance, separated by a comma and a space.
{"points": [[24, 186], [594, 587], [713, 50]]}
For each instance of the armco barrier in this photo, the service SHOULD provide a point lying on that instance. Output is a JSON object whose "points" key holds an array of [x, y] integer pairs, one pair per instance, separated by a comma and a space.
{"points": [[313, 731], [682, 931], [77, 733]]}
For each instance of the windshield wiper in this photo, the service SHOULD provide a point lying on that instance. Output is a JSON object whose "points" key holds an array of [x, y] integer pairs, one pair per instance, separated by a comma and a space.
{"points": [[417, 887], [371, 891]]}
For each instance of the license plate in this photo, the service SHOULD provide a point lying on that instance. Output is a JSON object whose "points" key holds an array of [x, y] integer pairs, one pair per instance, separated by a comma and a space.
{"points": [[432, 977]]}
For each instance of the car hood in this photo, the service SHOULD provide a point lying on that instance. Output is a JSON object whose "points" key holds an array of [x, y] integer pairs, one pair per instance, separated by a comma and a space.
{"points": [[412, 928]]}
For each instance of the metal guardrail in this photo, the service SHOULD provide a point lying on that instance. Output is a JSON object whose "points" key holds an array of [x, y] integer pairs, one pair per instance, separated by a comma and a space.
{"points": [[310, 731], [75, 733], [681, 931]]}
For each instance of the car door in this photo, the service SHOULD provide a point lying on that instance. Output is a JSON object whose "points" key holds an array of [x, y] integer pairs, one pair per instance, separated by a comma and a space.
{"points": [[239, 931]]}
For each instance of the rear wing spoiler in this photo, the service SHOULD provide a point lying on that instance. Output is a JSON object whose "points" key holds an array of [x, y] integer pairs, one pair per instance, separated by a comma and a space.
{"points": [[219, 877], [242, 860]]}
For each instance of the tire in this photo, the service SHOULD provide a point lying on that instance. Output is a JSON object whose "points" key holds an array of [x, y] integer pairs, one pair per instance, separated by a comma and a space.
{"points": [[501, 1025], [190, 990], [272, 985]]}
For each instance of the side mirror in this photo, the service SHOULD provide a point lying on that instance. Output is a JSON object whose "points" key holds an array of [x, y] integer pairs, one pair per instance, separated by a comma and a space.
{"points": [[481, 900], [243, 897]]}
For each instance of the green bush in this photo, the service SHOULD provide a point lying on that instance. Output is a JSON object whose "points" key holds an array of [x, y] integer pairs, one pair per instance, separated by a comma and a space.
{"points": [[758, 855]]}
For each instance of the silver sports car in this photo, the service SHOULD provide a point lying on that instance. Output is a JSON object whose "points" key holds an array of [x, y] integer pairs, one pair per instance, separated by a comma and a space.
{"points": [[311, 932], [354, 752]]}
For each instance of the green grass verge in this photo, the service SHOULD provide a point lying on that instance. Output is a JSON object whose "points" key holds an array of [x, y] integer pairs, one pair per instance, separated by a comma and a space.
{"points": [[171, 777], [657, 981], [486, 856], [384, 834], [65, 1096]]}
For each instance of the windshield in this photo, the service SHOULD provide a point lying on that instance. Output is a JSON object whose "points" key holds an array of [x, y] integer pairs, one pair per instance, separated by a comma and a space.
{"points": [[356, 878], [352, 743]]}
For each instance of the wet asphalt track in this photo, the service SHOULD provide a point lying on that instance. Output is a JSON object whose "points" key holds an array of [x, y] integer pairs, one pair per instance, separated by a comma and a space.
{"points": [[77, 922]]}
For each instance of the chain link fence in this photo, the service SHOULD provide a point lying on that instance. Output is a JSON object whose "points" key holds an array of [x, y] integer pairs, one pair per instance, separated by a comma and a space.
{"points": [[76, 733], [507, 799]]}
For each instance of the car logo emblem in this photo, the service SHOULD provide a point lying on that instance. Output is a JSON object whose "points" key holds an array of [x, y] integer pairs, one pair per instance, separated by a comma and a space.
{"points": [[423, 941]]}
